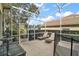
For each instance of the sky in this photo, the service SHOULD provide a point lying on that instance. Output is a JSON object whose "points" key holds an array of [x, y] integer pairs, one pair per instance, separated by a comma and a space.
{"points": [[49, 11]]}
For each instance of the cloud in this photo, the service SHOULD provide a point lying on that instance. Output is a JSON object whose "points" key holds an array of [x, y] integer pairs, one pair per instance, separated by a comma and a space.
{"points": [[58, 14], [49, 18], [77, 13], [68, 13], [66, 5], [46, 9], [64, 14], [34, 22]]}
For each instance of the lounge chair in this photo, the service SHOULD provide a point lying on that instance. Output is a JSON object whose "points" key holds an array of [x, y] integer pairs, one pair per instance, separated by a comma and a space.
{"points": [[50, 39], [44, 36]]}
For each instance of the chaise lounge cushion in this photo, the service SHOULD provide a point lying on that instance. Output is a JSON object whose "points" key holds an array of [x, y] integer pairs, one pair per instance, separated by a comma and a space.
{"points": [[50, 39], [45, 35], [41, 38]]}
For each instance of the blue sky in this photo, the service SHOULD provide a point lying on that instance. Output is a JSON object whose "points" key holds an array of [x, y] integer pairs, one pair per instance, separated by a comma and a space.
{"points": [[48, 11]]}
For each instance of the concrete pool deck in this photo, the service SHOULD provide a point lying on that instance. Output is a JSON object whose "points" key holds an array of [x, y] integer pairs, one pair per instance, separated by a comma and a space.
{"points": [[38, 48]]}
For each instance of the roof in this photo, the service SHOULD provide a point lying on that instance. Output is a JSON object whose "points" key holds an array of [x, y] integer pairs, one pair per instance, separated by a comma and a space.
{"points": [[66, 21]]}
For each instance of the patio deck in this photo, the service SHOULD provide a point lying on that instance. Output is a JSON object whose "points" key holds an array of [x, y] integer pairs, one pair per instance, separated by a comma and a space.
{"points": [[38, 48]]}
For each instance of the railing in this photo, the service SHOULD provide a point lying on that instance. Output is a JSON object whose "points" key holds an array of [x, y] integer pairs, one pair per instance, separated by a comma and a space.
{"points": [[64, 36], [57, 39], [10, 49]]}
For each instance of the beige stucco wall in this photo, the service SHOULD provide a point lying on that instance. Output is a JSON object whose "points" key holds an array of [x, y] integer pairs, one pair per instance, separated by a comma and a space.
{"points": [[73, 28], [58, 28]]}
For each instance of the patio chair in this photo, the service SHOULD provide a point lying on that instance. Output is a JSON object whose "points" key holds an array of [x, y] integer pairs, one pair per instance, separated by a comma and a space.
{"points": [[45, 35], [51, 38]]}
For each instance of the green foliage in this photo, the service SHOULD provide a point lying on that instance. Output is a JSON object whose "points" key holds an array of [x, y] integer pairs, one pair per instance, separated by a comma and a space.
{"points": [[22, 31], [34, 9], [17, 4], [15, 32], [23, 16]]}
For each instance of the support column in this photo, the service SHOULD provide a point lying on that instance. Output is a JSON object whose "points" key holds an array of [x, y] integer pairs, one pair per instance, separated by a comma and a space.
{"points": [[34, 32], [11, 23], [28, 28], [45, 28], [0, 25], [19, 29]]}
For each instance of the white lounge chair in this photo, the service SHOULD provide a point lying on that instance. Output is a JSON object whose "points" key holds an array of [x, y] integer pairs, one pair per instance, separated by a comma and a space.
{"points": [[44, 36], [51, 38]]}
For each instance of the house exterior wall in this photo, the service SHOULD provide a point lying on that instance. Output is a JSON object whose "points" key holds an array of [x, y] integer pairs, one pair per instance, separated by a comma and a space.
{"points": [[58, 28], [51, 28]]}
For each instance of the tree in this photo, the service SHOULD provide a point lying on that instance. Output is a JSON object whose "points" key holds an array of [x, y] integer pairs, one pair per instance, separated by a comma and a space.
{"points": [[25, 11], [30, 8]]}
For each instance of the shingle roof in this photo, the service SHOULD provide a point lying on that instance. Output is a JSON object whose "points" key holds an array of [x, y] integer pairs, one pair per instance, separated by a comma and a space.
{"points": [[68, 20]]}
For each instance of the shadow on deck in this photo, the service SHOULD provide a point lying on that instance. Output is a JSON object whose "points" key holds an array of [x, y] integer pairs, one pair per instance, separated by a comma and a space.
{"points": [[38, 48]]}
